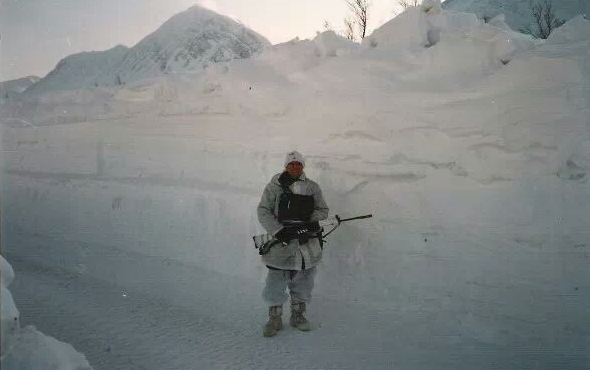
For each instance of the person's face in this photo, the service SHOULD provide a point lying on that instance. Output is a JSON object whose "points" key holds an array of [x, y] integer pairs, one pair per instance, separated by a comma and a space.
{"points": [[295, 169]]}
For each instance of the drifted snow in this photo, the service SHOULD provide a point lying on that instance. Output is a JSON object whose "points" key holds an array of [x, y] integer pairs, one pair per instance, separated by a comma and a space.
{"points": [[35, 350], [133, 208], [468, 45], [10, 315], [26, 348]]}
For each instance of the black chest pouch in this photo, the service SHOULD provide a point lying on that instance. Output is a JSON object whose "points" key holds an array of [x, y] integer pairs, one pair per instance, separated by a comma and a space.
{"points": [[295, 207]]}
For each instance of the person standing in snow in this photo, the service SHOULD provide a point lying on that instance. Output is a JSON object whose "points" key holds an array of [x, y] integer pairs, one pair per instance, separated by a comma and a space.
{"points": [[291, 198]]}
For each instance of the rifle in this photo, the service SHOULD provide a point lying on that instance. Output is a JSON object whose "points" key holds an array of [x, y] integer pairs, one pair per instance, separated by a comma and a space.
{"points": [[264, 242]]}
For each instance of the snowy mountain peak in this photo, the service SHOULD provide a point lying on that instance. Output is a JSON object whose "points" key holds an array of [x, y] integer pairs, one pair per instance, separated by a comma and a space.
{"points": [[194, 39], [195, 13], [189, 41]]}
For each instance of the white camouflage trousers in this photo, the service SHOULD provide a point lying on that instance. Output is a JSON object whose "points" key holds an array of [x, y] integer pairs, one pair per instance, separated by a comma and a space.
{"points": [[300, 284]]}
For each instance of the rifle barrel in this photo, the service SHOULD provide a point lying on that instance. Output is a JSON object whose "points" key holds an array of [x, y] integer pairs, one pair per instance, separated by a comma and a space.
{"points": [[356, 218]]}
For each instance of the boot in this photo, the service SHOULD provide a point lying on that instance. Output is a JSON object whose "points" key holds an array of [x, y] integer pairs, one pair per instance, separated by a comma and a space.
{"points": [[297, 319], [275, 323]]}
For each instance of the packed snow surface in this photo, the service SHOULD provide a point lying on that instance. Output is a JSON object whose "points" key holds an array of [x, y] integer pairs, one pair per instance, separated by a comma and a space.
{"points": [[128, 212]]}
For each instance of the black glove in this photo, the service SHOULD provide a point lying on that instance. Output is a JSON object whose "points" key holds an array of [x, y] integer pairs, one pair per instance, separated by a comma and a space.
{"points": [[284, 235], [313, 227]]}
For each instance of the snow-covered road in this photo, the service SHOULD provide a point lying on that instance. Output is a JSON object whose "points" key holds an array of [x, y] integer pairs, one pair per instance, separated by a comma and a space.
{"points": [[207, 320]]}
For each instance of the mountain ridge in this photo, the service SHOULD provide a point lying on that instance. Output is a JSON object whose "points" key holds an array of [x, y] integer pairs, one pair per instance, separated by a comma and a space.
{"points": [[188, 41]]}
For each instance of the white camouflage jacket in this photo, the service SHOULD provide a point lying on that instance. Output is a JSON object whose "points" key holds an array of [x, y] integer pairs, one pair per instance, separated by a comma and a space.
{"points": [[294, 256]]}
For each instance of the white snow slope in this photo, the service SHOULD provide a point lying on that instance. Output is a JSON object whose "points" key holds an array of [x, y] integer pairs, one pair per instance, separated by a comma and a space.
{"points": [[189, 41], [128, 212], [518, 12]]}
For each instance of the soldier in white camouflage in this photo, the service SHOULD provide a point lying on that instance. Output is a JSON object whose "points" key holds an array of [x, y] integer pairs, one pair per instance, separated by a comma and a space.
{"points": [[290, 199]]}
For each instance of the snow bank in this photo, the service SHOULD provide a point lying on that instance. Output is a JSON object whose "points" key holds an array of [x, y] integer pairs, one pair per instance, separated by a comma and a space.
{"points": [[7, 274], [297, 55], [36, 351], [26, 348], [457, 42], [330, 44], [292, 56], [415, 28], [575, 30], [406, 31], [10, 315]]}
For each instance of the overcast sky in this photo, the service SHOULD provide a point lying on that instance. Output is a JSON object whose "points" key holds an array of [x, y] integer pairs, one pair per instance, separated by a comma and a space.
{"points": [[37, 34]]}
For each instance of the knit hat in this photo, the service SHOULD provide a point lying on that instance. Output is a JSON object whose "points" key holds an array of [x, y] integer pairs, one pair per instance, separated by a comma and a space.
{"points": [[294, 156]]}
